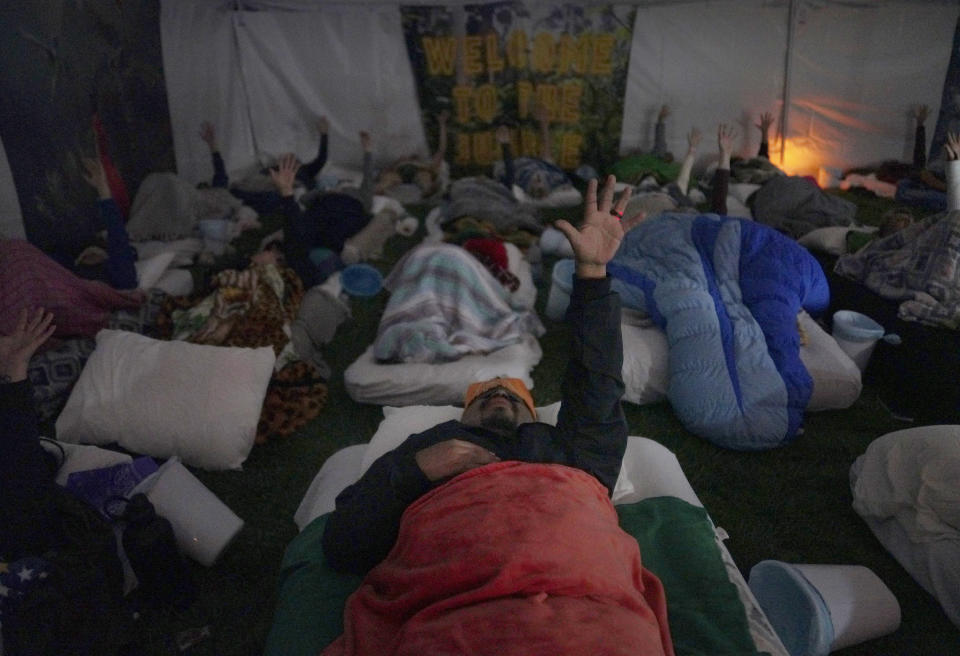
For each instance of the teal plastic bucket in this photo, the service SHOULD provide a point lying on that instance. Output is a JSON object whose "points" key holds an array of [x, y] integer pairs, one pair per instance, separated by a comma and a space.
{"points": [[560, 286], [857, 335]]}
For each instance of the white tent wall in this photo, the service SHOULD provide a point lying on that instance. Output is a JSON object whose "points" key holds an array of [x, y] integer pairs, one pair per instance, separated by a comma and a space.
{"points": [[203, 80], [347, 63], [264, 77], [854, 69], [857, 70], [710, 62], [11, 221]]}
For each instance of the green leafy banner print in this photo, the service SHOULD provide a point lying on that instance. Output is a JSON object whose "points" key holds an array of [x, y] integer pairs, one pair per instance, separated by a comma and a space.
{"points": [[497, 64]]}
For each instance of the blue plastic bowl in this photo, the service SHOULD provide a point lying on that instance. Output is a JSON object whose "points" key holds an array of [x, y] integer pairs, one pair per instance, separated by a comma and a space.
{"points": [[361, 280]]}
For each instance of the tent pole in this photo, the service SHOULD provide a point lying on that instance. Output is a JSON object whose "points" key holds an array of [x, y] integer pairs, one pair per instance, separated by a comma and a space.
{"points": [[787, 65]]}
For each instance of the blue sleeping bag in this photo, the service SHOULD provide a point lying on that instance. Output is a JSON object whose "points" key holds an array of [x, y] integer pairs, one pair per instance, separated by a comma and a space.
{"points": [[727, 292]]}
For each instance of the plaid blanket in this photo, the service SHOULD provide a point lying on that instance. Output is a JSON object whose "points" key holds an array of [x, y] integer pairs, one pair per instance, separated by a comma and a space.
{"points": [[918, 266], [444, 304]]}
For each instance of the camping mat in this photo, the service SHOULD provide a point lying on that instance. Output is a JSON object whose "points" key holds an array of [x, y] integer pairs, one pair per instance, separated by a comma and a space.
{"points": [[677, 543]]}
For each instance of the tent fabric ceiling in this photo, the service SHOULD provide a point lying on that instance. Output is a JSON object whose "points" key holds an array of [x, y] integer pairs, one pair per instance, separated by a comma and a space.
{"points": [[263, 74]]}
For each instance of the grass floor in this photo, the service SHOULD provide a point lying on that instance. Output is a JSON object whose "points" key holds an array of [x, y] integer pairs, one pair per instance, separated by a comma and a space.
{"points": [[791, 504]]}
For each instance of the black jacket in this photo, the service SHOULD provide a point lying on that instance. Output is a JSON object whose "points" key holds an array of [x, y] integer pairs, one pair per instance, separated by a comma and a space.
{"points": [[591, 434]]}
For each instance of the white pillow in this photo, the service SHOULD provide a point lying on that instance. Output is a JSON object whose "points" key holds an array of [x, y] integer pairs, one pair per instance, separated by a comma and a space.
{"points": [[836, 378], [646, 374], [425, 383], [831, 240], [911, 476], [150, 269], [649, 468], [165, 399]]}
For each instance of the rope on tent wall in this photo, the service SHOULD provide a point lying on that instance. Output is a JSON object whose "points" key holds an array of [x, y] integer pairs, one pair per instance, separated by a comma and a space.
{"points": [[787, 66]]}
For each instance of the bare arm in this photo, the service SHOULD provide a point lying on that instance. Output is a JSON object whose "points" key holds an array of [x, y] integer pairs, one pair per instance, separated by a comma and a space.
{"points": [[683, 178], [441, 152]]}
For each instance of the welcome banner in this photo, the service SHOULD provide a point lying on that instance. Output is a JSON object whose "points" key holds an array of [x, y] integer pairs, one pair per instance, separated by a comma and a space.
{"points": [[496, 64]]}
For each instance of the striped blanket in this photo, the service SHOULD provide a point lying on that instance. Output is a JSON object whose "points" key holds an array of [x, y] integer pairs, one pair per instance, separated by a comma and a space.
{"points": [[444, 304]]}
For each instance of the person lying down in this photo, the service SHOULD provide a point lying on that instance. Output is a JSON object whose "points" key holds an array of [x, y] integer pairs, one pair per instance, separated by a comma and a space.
{"points": [[495, 534]]}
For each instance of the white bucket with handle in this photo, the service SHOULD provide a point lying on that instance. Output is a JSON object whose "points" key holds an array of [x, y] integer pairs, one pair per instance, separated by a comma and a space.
{"points": [[857, 335]]}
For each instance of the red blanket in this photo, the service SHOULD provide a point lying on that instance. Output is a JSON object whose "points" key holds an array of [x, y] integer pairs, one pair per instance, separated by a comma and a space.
{"points": [[510, 558], [31, 279]]}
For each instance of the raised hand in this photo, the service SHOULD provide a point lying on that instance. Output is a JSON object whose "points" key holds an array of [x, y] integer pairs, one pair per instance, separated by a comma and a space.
{"points": [[452, 457], [443, 117], [663, 114], [693, 139], [209, 135], [920, 113], [323, 125], [952, 145], [597, 239], [725, 136], [366, 141], [32, 330], [285, 174], [96, 177], [766, 120]]}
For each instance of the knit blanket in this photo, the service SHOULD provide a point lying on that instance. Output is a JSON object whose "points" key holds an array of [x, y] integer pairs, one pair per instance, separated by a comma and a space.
{"points": [[918, 266], [445, 304], [509, 559], [31, 279]]}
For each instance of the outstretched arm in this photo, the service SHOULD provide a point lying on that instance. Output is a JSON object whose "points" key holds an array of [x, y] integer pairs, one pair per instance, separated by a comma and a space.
{"points": [[441, 153], [26, 483], [503, 138], [542, 115], [660, 132], [308, 172], [721, 177], [683, 178], [766, 120], [952, 148], [367, 181], [209, 135], [920, 136], [591, 420], [121, 270]]}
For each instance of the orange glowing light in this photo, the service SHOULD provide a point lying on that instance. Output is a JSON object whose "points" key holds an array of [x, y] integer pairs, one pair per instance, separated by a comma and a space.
{"points": [[801, 156]]}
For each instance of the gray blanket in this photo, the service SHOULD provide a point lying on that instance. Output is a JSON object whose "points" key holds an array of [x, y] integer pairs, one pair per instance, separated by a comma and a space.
{"points": [[795, 206], [487, 200]]}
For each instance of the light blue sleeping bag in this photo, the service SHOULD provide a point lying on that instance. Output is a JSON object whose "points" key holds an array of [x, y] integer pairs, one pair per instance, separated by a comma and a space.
{"points": [[727, 292]]}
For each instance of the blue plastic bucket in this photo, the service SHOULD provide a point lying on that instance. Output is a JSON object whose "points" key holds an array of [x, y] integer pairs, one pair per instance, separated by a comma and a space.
{"points": [[857, 335], [560, 287]]}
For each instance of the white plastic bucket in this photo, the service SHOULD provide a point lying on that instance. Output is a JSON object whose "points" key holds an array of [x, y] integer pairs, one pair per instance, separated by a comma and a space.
{"points": [[560, 287], [817, 609], [202, 524], [857, 335]]}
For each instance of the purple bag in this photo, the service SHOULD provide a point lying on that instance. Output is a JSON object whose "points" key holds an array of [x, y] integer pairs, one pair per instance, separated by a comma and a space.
{"points": [[98, 486]]}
